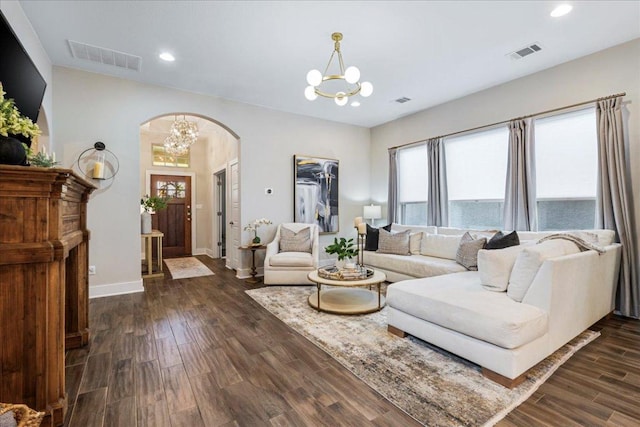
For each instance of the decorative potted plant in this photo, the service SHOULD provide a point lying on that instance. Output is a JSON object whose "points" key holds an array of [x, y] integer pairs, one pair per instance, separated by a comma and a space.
{"points": [[253, 226], [345, 249], [150, 205], [12, 123]]}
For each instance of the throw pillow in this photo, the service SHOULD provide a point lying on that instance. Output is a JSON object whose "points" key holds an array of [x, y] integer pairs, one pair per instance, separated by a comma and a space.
{"points": [[529, 261], [494, 267], [371, 242], [414, 243], [467, 255], [440, 246], [290, 241], [8, 420], [394, 243], [501, 240]]}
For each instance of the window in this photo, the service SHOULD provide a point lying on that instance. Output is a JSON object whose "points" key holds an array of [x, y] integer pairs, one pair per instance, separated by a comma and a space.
{"points": [[476, 167], [162, 158], [566, 170], [412, 185]]}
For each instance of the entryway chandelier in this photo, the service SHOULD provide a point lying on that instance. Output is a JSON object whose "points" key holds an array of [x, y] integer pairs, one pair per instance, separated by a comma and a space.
{"points": [[182, 135], [349, 79]]}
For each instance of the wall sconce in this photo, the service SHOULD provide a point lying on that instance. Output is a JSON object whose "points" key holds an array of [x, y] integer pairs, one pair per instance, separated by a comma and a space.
{"points": [[98, 162]]}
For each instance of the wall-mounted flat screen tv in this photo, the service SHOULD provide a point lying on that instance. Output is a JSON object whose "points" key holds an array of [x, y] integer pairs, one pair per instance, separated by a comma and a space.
{"points": [[19, 76]]}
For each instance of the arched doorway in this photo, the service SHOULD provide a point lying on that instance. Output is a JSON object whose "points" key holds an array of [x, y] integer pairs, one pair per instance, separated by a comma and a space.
{"points": [[190, 182]]}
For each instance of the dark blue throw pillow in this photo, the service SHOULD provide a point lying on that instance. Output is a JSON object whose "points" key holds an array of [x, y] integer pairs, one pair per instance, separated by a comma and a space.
{"points": [[501, 240], [373, 235]]}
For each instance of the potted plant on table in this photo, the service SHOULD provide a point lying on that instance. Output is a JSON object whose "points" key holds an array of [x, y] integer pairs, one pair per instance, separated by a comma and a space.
{"points": [[253, 226], [345, 249], [150, 205], [12, 123]]}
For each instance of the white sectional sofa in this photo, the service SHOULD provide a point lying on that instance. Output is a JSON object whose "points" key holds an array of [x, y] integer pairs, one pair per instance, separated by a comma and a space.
{"points": [[540, 296]]}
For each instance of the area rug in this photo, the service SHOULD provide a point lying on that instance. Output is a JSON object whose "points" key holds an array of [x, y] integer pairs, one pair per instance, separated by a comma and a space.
{"points": [[183, 268], [431, 385]]}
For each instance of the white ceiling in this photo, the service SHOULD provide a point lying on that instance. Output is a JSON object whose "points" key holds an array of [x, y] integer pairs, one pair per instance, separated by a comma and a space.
{"points": [[259, 52]]}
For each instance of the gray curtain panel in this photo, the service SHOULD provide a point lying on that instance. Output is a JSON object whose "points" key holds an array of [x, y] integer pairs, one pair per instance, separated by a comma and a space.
{"points": [[392, 198], [437, 209], [520, 189], [613, 203]]}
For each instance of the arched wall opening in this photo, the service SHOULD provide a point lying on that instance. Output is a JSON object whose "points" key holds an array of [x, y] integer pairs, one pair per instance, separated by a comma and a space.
{"points": [[212, 156]]}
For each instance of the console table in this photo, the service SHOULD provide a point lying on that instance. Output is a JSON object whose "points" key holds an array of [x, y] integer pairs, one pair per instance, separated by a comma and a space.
{"points": [[44, 295], [148, 254]]}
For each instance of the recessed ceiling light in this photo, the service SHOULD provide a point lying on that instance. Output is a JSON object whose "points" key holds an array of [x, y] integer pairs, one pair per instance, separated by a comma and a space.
{"points": [[166, 56], [561, 10], [355, 104]]}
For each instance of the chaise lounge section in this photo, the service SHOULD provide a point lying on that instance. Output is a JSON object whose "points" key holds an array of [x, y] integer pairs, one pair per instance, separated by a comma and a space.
{"points": [[506, 332]]}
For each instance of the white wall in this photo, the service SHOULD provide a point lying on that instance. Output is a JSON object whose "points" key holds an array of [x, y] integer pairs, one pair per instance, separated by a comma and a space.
{"points": [[31, 43], [90, 107], [607, 72]]}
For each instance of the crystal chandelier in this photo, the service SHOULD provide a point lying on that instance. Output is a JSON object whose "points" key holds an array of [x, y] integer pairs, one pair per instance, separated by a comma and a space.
{"points": [[182, 135], [349, 80]]}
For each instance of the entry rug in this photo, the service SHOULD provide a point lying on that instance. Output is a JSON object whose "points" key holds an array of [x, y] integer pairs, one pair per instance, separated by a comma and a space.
{"points": [[433, 386], [183, 268]]}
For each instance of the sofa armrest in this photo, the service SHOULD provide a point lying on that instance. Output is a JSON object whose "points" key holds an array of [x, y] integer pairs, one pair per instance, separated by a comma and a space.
{"points": [[576, 291]]}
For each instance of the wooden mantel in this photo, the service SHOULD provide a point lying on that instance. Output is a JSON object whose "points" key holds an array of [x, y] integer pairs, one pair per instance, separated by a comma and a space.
{"points": [[44, 296]]}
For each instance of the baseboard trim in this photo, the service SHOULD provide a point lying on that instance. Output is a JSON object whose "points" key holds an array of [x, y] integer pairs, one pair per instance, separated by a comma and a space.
{"points": [[112, 289]]}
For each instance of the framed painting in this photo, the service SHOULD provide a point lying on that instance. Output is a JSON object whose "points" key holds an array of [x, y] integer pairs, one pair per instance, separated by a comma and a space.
{"points": [[316, 192]]}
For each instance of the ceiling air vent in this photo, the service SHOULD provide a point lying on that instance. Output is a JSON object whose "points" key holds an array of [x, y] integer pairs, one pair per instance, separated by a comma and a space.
{"points": [[105, 56], [525, 51], [402, 100]]}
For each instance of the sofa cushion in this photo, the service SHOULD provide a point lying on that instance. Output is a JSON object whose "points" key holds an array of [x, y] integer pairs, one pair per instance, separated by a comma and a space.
{"points": [[394, 243], [427, 229], [292, 241], [291, 259], [458, 302], [371, 242], [501, 240], [440, 246], [529, 261], [467, 254], [414, 265], [494, 267]]}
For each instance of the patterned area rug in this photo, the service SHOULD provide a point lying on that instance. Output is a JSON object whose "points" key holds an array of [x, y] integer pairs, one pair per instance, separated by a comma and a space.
{"points": [[431, 385], [182, 268]]}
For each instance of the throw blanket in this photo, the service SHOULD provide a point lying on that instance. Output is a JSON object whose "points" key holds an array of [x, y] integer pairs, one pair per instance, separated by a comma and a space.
{"points": [[582, 244]]}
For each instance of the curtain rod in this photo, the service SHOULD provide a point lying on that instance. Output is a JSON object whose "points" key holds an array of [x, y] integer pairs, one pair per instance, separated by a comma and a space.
{"points": [[517, 118]]}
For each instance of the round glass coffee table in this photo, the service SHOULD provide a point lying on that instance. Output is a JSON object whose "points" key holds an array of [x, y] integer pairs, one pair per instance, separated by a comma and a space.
{"points": [[347, 296]]}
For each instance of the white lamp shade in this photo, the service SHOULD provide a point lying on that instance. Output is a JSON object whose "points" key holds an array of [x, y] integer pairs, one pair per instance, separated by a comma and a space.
{"points": [[372, 212], [310, 93], [352, 74], [341, 100], [366, 89], [314, 77]]}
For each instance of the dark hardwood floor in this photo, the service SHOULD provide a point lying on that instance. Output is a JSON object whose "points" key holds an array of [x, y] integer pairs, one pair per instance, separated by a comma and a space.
{"points": [[200, 352]]}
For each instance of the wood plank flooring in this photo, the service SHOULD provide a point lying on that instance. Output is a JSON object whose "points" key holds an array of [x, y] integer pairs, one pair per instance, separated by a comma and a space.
{"points": [[200, 352]]}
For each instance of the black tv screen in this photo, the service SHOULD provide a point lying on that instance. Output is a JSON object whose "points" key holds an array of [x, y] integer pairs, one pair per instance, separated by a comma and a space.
{"points": [[19, 76]]}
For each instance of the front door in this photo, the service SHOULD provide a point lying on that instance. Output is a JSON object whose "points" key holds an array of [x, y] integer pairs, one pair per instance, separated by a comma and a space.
{"points": [[175, 220]]}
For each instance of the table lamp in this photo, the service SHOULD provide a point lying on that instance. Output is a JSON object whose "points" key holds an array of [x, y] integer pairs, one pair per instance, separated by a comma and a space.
{"points": [[372, 212]]}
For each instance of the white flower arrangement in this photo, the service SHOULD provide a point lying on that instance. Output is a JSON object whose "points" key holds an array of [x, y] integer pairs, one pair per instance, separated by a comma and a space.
{"points": [[253, 226]]}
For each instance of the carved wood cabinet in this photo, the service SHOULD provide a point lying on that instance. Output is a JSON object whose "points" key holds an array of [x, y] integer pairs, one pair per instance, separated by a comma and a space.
{"points": [[44, 302]]}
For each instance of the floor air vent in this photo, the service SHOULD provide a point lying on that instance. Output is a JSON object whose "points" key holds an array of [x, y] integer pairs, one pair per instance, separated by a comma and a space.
{"points": [[402, 100], [105, 56], [525, 51]]}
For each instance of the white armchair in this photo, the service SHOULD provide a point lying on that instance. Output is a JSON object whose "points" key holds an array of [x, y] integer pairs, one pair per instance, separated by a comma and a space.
{"points": [[291, 268]]}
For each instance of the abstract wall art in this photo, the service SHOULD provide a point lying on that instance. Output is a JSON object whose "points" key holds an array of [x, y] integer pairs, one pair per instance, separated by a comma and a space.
{"points": [[316, 192]]}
